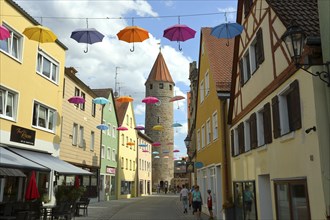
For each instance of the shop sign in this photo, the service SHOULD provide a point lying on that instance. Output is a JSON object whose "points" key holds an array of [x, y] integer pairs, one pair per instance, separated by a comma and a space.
{"points": [[22, 135], [111, 170]]}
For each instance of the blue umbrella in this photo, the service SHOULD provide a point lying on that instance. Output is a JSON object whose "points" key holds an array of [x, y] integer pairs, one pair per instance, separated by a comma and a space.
{"points": [[227, 31], [102, 127], [165, 151], [176, 125], [143, 145], [100, 100], [155, 152]]}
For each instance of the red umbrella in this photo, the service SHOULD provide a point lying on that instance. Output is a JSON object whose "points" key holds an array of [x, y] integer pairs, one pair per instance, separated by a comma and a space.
{"points": [[176, 98], [76, 182], [156, 144], [122, 128], [150, 100], [32, 188], [76, 100]]}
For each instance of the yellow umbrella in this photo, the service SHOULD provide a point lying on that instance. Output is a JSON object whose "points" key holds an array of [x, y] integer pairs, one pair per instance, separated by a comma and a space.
{"points": [[40, 34], [158, 128]]}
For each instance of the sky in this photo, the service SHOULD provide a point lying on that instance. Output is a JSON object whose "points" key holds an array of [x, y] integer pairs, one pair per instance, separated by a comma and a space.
{"points": [[112, 58]]}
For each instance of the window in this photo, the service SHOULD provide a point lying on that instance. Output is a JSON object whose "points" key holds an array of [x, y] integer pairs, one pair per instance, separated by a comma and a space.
{"points": [[126, 187], [12, 45], [92, 141], [202, 90], [126, 164], [109, 129], [207, 84], [245, 200], [8, 103], [102, 152], [113, 155], [247, 6], [110, 107], [93, 109], [215, 125], [47, 67], [75, 134], [113, 131], [44, 117], [150, 86], [198, 139], [203, 136], [122, 162], [81, 137], [82, 105], [127, 141], [208, 132], [286, 110], [170, 87], [109, 153], [127, 120], [292, 200], [161, 85], [122, 140], [234, 142], [245, 71], [130, 122], [133, 165]]}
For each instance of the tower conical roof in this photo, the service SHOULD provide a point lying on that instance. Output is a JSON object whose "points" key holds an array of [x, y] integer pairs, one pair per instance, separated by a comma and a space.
{"points": [[159, 71]]}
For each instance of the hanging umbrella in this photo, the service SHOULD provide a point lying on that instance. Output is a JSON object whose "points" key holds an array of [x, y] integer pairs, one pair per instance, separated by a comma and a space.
{"points": [[122, 128], [130, 143], [139, 127], [156, 144], [76, 100], [158, 128], [150, 100], [176, 98], [176, 151], [76, 182], [133, 34], [102, 127], [166, 151], [124, 99], [174, 125], [155, 152], [227, 31], [179, 32], [32, 188], [40, 34], [143, 145], [100, 100], [145, 151], [169, 143], [166, 157], [156, 157], [4, 33]]}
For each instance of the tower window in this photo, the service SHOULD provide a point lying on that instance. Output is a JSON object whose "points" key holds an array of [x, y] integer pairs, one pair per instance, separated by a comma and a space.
{"points": [[150, 86], [161, 85], [170, 87]]}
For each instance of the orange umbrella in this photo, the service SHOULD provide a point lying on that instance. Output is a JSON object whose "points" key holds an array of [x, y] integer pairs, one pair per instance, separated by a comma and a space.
{"points": [[133, 34], [32, 188], [124, 99]]}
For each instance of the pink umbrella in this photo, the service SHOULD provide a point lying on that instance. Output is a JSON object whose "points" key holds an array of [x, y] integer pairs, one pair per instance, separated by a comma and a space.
{"points": [[176, 98], [77, 100], [176, 151], [139, 127], [150, 100], [156, 144], [4, 33], [32, 188], [122, 128], [145, 151]]}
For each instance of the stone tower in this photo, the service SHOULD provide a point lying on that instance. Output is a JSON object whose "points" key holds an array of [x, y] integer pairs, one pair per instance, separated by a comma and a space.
{"points": [[160, 84]]}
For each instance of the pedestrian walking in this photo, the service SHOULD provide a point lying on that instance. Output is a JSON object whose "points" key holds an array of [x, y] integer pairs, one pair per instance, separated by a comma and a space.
{"points": [[209, 203], [197, 202], [184, 198], [158, 189]]}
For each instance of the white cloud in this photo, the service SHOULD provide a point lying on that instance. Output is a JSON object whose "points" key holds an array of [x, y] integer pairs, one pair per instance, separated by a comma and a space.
{"points": [[139, 109], [230, 13]]}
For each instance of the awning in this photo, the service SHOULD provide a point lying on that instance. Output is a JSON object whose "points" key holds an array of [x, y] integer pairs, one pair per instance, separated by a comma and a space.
{"points": [[11, 172], [53, 163], [11, 160]]}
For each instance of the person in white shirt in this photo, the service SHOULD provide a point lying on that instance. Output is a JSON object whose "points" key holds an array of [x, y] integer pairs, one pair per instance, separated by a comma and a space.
{"points": [[184, 198]]}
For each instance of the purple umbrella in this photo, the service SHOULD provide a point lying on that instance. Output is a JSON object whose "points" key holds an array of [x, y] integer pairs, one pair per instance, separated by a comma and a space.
{"points": [[76, 100], [4, 33], [179, 32]]}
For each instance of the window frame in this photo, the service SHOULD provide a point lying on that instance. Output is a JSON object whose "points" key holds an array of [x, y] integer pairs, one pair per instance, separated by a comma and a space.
{"points": [[9, 43], [92, 141], [208, 131], [50, 112], [53, 62], [215, 126], [4, 92], [81, 142], [75, 135], [202, 91], [203, 136]]}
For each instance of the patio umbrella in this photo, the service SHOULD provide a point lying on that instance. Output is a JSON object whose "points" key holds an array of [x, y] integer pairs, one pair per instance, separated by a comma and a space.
{"points": [[132, 34], [40, 34], [179, 32], [32, 188], [124, 99], [100, 100], [122, 128], [139, 128], [150, 100], [76, 182], [158, 128], [4, 33], [143, 145], [87, 35], [102, 127], [176, 98], [76, 100], [156, 144], [227, 31]]}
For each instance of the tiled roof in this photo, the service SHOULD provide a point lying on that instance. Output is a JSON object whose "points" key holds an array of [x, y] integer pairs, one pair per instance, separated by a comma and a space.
{"points": [[303, 13], [159, 71], [220, 58], [121, 108], [105, 93]]}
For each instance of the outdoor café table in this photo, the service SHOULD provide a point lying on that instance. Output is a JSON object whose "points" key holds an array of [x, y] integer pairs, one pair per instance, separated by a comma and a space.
{"points": [[46, 211]]}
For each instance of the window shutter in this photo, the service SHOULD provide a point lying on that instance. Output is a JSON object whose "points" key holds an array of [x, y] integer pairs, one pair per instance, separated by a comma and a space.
{"points": [[232, 143], [294, 109], [260, 47], [253, 130], [276, 117], [241, 137], [241, 72], [267, 124]]}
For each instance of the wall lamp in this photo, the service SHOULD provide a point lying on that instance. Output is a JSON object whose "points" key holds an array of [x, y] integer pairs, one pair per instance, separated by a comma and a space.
{"points": [[187, 141], [294, 39]]}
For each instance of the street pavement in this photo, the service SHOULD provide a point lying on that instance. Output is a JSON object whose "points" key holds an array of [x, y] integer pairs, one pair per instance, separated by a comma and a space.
{"points": [[153, 207]]}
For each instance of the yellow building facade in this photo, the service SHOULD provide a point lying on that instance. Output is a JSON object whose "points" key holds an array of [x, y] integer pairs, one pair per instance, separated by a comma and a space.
{"points": [[144, 166]]}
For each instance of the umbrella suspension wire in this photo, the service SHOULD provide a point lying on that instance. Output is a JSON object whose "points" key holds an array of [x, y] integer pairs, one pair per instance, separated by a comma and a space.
{"points": [[85, 51], [40, 34], [132, 50], [180, 49]]}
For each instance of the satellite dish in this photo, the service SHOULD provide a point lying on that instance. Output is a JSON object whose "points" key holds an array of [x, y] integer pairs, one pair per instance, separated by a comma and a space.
{"points": [[158, 103]]}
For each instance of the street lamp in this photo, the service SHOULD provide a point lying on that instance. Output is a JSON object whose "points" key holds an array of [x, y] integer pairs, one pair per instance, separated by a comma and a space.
{"points": [[187, 141], [294, 39]]}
